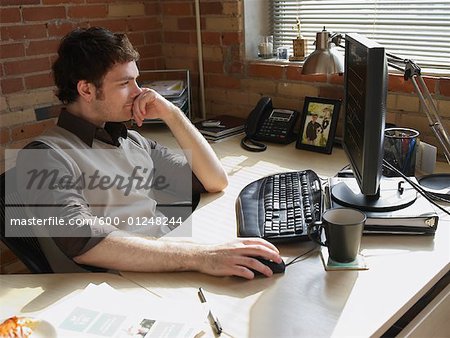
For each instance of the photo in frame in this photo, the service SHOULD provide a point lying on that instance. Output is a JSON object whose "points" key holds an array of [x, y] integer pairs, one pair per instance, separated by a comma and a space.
{"points": [[318, 124]]}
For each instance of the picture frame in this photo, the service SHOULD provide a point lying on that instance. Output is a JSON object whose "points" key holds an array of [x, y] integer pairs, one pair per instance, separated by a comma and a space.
{"points": [[318, 124]]}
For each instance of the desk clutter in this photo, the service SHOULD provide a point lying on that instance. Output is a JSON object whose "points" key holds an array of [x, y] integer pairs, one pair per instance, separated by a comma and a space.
{"points": [[102, 311], [221, 127]]}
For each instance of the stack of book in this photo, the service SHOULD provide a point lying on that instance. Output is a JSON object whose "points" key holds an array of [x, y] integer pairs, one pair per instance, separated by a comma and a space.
{"points": [[176, 91], [221, 127]]}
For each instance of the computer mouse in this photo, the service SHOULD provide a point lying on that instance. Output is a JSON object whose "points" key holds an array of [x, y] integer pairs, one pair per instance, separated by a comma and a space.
{"points": [[275, 267]]}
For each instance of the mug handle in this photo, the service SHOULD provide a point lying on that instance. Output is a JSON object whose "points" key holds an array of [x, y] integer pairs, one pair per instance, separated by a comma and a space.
{"points": [[314, 230]]}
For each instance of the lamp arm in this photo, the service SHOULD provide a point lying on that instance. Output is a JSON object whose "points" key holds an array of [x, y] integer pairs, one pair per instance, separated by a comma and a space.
{"points": [[412, 72]]}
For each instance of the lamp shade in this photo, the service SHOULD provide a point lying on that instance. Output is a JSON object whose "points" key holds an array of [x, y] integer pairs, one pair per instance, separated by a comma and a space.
{"points": [[325, 59]]}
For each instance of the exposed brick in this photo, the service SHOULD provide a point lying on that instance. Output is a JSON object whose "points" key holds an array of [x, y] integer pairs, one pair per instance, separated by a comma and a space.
{"points": [[212, 53], [213, 66], [114, 25], [223, 24], [178, 50], [39, 81], [137, 38], [266, 70], [296, 89], [144, 24], [444, 108], [56, 2], [42, 47], [176, 37], [8, 15], [12, 50], [153, 37], [398, 84], [408, 103], [21, 32], [207, 8], [43, 13], [150, 50], [211, 38], [88, 11], [444, 86], [4, 135], [177, 8], [3, 104], [336, 79], [152, 9], [58, 29], [18, 117], [11, 85], [27, 66], [295, 73], [232, 38], [232, 8], [331, 92], [126, 9], [187, 23], [264, 87], [222, 81], [31, 130], [31, 99], [20, 2]]}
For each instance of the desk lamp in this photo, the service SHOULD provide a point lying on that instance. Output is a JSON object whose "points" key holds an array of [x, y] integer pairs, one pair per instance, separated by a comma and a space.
{"points": [[327, 60]]}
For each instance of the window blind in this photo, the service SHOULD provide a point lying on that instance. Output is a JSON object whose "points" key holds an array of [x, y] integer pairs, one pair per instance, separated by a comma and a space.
{"points": [[412, 29]]}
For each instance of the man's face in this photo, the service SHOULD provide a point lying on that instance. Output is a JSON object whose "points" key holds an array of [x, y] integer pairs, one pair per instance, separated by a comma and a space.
{"points": [[114, 100]]}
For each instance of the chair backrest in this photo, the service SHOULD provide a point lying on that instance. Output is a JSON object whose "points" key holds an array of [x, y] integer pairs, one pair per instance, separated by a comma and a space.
{"points": [[27, 249]]}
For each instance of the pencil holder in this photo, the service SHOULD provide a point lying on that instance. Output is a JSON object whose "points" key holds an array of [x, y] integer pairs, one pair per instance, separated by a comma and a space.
{"points": [[400, 147]]}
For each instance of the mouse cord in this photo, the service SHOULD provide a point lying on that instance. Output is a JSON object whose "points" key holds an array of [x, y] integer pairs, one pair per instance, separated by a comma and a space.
{"points": [[303, 255]]}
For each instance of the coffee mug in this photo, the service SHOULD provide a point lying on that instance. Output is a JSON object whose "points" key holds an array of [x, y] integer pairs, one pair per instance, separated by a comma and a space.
{"points": [[343, 231]]}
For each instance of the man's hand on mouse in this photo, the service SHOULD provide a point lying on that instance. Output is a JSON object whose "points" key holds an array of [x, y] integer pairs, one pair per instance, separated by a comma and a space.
{"points": [[237, 258]]}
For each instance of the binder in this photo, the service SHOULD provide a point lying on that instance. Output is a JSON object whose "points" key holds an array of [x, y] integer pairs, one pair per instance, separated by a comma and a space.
{"points": [[417, 218]]}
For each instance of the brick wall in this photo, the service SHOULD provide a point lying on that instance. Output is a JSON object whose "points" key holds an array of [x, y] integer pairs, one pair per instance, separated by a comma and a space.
{"points": [[164, 33]]}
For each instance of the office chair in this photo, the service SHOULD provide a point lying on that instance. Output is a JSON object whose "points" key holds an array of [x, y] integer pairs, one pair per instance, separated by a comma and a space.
{"points": [[27, 249]]}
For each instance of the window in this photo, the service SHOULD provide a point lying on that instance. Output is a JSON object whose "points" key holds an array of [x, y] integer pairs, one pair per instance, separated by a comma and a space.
{"points": [[411, 29]]}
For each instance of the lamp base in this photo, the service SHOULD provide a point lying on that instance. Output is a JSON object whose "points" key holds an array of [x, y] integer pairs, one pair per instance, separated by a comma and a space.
{"points": [[438, 184]]}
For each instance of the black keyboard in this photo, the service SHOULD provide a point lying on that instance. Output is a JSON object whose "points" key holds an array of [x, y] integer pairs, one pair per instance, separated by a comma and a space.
{"points": [[280, 207]]}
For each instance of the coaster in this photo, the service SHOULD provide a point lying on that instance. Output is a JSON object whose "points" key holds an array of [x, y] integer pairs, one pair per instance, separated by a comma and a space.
{"points": [[358, 264]]}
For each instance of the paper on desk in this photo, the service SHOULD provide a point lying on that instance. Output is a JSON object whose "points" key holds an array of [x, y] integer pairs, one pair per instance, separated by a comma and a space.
{"points": [[102, 311]]}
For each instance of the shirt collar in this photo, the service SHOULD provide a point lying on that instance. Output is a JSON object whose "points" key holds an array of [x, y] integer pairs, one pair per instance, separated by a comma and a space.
{"points": [[87, 131]]}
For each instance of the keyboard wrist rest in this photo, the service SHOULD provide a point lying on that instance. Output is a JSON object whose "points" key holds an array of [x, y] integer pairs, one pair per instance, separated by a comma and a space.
{"points": [[247, 212]]}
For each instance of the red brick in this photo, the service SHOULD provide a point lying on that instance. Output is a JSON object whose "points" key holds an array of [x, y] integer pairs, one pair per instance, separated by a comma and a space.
{"points": [[331, 92], [444, 86], [213, 66], [295, 73], [232, 38], [26, 66], [4, 135], [39, 81], [42, 47], [398, 84], [236, 68], [186, 23], [23, 32], [31, 130], [211, 38], [177, 8], [150, 51], [222, 81], [12, 50], [266, 70], [55, 2], [153, 37], [43, 13], [177, 37], [336, 79], [88, 11], [9, 86], [116, 26], [143, 24], [137, 39], [152, 9], [8, 15], [211, 8], [151, 64], [20, 2], [60, 29]]}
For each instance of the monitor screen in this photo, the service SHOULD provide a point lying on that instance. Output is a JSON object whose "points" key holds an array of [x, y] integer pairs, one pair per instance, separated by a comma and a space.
{"points": [[365, 81], [365, 86]]}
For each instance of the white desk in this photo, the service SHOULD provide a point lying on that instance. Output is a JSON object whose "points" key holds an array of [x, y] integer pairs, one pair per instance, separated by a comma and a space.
{"points": [[306, 300]]}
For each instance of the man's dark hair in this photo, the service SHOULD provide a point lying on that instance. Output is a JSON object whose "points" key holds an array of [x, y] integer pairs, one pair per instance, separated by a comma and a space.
{"points": [[88, 54]]}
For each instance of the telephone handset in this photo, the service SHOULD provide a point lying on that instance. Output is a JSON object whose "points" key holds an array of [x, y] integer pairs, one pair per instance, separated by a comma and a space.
{"points": [[267, 124]]}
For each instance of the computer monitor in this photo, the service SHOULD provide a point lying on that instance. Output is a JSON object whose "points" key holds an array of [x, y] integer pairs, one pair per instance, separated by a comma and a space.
{"points": [[365, 86]]}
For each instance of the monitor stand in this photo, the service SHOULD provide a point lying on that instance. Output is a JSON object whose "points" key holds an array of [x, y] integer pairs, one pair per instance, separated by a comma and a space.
{"points": [[394, 194]]}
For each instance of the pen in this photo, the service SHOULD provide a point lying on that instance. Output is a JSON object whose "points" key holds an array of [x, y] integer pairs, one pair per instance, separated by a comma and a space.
{"points": [[211, 317]]}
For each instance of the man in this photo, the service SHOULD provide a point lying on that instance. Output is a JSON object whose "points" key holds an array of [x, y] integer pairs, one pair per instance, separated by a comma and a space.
{"points": [[312, 129], [95, 74]]}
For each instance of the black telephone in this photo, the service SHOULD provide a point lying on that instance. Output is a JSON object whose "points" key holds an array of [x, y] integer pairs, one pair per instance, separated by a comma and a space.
{"points": [[267, 124]]}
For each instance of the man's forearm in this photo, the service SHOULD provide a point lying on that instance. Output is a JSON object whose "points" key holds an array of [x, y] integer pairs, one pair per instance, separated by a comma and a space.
{"points": [[124, 252]]}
